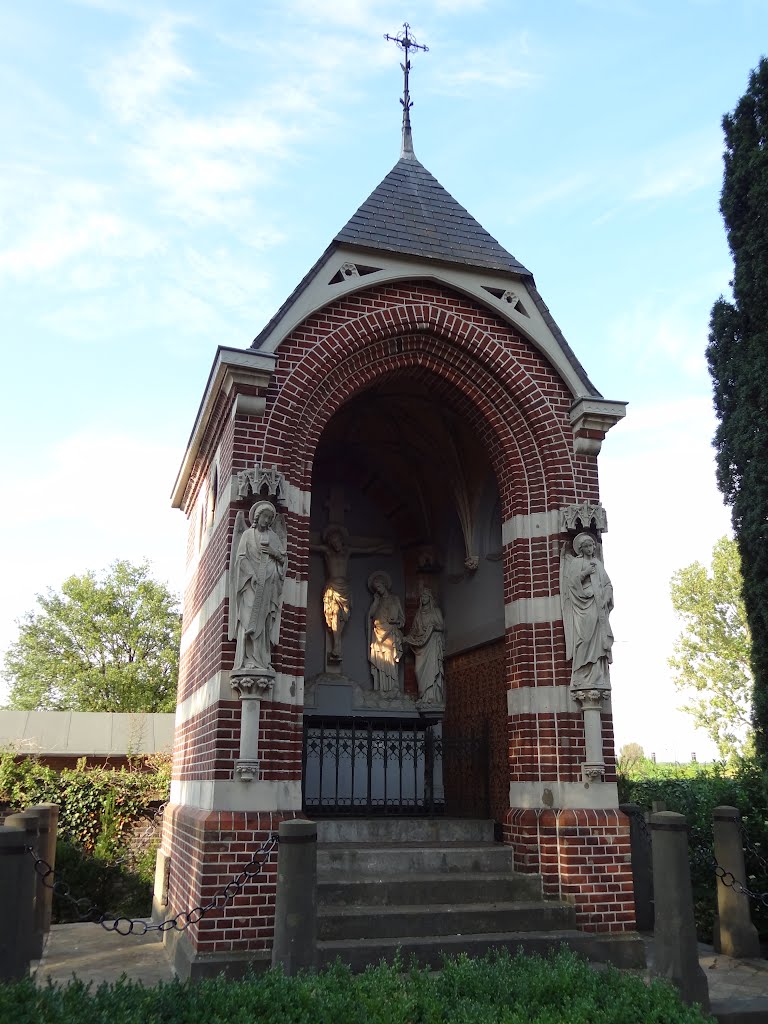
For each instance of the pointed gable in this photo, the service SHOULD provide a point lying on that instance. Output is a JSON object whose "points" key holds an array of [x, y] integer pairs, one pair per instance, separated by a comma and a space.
{"points": [[410, 213]]}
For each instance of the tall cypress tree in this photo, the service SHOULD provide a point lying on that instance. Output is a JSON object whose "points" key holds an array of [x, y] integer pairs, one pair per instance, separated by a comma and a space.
{"points": [[738, 362]]}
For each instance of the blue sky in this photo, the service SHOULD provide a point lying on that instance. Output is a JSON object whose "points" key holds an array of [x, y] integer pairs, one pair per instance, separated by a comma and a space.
{"points": [[170, 171]]}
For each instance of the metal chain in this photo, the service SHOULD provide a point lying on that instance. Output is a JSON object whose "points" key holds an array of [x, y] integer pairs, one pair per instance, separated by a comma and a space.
{"points": [[88, 911], [756, 854], [730, 880], [639, 817]]}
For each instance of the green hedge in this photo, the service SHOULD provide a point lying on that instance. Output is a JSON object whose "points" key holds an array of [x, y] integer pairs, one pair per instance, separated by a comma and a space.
{"points": [[89, 799], [498, 989], [695, 790], [98, 810]]}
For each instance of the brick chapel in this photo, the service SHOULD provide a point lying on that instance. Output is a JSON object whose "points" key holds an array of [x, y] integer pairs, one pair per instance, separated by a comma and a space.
{"points": [[386, 615]]}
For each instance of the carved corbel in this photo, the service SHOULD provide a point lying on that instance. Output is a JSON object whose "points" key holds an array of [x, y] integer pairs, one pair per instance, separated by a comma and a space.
{"points": [[591, 419]]}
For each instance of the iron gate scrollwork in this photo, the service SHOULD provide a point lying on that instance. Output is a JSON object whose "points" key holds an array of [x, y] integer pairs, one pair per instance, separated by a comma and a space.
{"points": [[379, 766]]}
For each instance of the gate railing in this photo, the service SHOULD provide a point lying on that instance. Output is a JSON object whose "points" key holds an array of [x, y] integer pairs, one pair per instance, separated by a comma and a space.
{"points": [[380, 766]]}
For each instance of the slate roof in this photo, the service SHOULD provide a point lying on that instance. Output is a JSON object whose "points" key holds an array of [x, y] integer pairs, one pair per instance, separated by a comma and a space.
{"points": [[411, 213]]}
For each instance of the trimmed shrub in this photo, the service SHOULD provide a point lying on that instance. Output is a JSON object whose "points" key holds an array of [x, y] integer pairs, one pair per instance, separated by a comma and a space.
{"points": [[497, 989]]}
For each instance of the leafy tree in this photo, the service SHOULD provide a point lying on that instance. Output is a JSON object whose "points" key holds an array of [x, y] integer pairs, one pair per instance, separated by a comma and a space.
{"points": [[631, 754], [101, 644], [738, 362], [712, 653]]}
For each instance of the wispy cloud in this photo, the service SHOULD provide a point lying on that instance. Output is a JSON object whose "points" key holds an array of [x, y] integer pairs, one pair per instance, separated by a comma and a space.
{"points": [[135, 81], [505, 66], [681, 168], [74, 219], [669, 328]]}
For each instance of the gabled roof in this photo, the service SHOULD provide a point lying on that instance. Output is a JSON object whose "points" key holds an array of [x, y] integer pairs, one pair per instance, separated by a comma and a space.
{"points": [[411, 213]]}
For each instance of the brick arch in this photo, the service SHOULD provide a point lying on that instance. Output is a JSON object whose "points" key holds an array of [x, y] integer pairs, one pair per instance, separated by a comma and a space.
{"points": [[524, 438]]}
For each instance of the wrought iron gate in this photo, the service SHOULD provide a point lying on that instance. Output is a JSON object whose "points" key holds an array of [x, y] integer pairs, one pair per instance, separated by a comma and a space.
{"points": [[371, 766]]}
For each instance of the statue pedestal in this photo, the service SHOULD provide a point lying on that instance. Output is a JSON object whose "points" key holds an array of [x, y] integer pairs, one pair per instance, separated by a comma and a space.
{"points": [[250, 685], [592, 701], [331, 694]]}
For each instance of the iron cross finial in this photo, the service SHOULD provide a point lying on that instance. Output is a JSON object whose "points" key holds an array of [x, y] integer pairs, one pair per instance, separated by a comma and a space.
{"points": [[406, 42]]}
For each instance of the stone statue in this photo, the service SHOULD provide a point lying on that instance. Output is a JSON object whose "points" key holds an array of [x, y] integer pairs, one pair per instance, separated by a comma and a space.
{"points": [[385, 637], [257, 574], [426, 641], [586, 594], [337, 598]]}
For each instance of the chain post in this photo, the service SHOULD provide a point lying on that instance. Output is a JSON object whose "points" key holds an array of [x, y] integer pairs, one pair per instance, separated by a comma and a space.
{"points": [[33, 936], [14, 920]]}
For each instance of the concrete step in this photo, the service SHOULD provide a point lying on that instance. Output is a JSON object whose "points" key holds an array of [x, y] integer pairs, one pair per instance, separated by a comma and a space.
{"points": [[624, 951], [426, 889], [442, 919], [404, 830], [341, 860]]}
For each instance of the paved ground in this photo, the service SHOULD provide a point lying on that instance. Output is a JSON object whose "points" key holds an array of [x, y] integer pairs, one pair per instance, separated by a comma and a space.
{"points": [[738, 989]]}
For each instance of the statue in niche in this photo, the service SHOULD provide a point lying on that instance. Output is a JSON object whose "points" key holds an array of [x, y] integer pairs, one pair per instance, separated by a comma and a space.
{"points": [[337, 598], [385, 637], [586, 595], [257, 574], [426, 641]]}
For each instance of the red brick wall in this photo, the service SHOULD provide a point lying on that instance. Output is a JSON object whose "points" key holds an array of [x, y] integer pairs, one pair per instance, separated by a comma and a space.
{"points": [[514, 400], [475, 705], [584, 858]]}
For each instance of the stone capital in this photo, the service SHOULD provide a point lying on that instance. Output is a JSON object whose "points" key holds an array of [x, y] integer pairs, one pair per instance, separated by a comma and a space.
{"points": [[252, 684], [247, 770], [593, 772], [590, 699]]}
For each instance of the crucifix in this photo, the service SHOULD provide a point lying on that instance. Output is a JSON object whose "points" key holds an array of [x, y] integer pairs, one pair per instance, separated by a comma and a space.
{"points": [[337, 547], [406, 42]]}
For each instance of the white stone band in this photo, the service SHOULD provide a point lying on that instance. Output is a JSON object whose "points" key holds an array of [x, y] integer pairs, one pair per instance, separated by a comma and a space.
{"points": [[533, 609], [539, 700], [193, 627], [537, 524], [544, 700], [296, 500], [564, 795], [234, 795]]}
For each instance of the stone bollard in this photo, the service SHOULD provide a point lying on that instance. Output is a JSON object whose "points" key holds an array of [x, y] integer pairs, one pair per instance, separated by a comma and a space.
{"points": [[676, 955], [295, 943], [31, 938], [642, 871], [735, 935], [48, 820], [15, 864]]}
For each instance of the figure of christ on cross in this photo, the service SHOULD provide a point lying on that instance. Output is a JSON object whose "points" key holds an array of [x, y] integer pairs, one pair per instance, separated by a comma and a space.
{"points": [[336, 549]]}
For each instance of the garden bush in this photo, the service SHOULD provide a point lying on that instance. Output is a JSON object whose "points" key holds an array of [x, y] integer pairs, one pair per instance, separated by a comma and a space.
{"points": [[497, 989], [99, 809], [695, 790]]}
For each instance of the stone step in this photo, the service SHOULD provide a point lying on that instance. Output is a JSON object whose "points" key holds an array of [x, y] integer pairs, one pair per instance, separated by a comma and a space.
{"points": [[404, 830], [426, 889], [344, 860], [443, 919], [625, 951]]}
